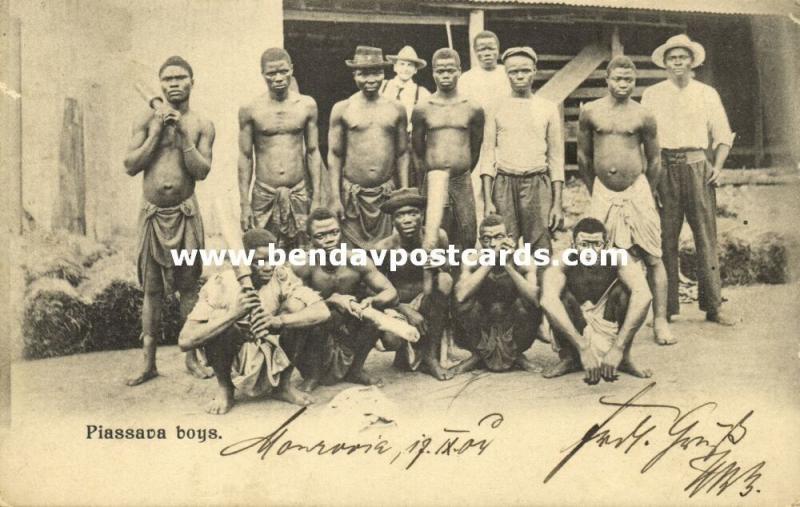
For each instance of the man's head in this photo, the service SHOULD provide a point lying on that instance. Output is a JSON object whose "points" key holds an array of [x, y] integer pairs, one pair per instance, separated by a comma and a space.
{"points": [[406, 205], [520, 66], [487, 49], [621, 77], [492, 231], [678, 61], [276, 67], [176, 78], [406, 63], [589, 233], [368, 66], [369, 79], [446, 67], [679, 55], [260, 240], [323, 229]]}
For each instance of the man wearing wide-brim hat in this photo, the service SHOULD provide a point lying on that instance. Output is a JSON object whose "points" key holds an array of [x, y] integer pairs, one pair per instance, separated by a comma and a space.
{"points": [[424, 292], [402, 86], [695, 140], [368, 149]]}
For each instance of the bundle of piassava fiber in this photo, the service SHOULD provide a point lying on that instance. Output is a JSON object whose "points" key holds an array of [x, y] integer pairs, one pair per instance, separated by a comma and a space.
{"points": [[55, 321], [60, 255], [745, 258]]}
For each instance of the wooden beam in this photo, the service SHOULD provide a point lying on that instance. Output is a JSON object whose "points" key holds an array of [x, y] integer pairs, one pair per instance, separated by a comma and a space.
{"points": [[641, 74], [588, 92], [71, 210], [617, 49], [575, 72], [476, 26], [11, 141], [372, 17]]}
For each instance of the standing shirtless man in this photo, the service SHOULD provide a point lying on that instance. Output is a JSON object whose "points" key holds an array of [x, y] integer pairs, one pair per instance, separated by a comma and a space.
{"points": [[279, 130], [172, 146], [447, 136], [337, 349], [612, 132], [423, 304], [368, 147]]}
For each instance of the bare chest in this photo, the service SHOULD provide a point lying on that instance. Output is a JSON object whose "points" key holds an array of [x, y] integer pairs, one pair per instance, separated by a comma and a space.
{"points": [[456, 116], [343, 280], [359, 119], [279, 119]]}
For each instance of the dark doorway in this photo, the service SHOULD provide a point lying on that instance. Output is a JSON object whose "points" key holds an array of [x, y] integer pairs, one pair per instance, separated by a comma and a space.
{"points": [[319, 50]]}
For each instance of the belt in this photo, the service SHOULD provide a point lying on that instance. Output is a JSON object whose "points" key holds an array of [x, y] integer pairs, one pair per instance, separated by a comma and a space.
{"points": [[690, 155]]}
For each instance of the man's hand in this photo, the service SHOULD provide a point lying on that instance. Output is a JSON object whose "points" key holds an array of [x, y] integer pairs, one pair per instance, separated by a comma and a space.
{"points": [[245, 303], [556, 219], [489, 209], [714, 176], [246, 219], [173, 117], [413, 316], [364, 304], [608, 367], [591, 365], [263, 323], [342, 302], [336, 207], [156, 124]]}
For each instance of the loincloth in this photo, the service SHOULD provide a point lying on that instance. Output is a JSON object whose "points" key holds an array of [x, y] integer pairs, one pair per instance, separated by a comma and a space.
{"points": [[364, 222], [409, 355], [165, 229], [630, 216], [600, 333], [282, 210], [257, 367]]}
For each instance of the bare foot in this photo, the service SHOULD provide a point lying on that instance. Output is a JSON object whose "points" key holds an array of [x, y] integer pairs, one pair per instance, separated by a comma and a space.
{"points": [[435, 370], [562, 367], [627, 366], [466, 365], [294, 396], [721, 319], [361, 377], [146, 375], [662, 333], [523, 362], [222, 402], [195, 368], [309, 384]]}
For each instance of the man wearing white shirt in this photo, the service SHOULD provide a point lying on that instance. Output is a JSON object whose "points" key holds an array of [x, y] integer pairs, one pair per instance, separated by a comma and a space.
{"points": [[692, 125]]}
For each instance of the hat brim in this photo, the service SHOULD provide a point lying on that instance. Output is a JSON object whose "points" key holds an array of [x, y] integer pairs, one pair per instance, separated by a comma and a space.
{"points": [[418, 62], [393, 205], [697, 50], [372, 65]]}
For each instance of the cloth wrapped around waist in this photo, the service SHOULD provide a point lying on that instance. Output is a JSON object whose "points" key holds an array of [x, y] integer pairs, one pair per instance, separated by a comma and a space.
{"points": [[282, 209], [165, 229], [630, 216], [599, 332], [364, 222], [257, 367]]}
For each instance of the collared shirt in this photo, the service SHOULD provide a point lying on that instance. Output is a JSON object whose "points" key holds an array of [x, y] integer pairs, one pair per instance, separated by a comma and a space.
{"points": [[220, 292], [524, 136], [408, 93], [485, 87], [692, 117]]}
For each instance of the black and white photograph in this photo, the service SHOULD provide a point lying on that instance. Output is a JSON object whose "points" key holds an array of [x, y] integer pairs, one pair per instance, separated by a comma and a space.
{"points": [[400, 252]]}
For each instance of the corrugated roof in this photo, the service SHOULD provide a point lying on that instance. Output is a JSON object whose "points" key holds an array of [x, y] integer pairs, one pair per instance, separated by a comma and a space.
{"points": [[749, 7]]}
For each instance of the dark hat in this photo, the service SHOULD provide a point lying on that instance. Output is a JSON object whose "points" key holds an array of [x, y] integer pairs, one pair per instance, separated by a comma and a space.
{"points": [[521, 51], [403, 197], [367, 58]]}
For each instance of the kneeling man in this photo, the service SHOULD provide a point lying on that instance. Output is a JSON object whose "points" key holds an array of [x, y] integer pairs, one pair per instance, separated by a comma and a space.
{"points": [[424, 291], [337, 350], [219, 323], [595, 311], [496, 313]]}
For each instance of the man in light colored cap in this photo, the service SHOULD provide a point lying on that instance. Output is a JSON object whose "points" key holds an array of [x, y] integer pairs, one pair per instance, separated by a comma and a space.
{"points": [[523, 145], [368, 149], [692, 125]]}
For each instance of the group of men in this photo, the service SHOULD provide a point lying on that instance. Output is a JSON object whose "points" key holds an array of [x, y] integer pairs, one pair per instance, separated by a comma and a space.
{"points": [[486, 127]]}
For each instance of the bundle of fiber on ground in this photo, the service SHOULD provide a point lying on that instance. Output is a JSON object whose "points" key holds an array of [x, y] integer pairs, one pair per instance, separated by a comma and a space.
{"points": [[55, 321]]}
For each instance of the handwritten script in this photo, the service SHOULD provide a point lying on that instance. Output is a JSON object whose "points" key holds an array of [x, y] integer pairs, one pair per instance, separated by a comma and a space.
{"points": [[451, 442], [711, 464]]}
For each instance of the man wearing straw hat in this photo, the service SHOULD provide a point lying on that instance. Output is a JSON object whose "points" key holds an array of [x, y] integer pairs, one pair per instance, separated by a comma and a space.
{"points": [[368, 147], [424, 292], [692, 125]]}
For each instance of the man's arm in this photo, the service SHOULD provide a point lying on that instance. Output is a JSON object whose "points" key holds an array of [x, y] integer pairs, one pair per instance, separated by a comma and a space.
{"points": [[311, 315], [470, 281], [336, 153], [652, 151], [418, 132], [145, 135], [555, 166], [385, 293], [524, 278], [721, 135], [488, 170], [195, 334], [586, 148], [476, 126], [313, 157], [245, 167], [401, 145], [197, 159]]}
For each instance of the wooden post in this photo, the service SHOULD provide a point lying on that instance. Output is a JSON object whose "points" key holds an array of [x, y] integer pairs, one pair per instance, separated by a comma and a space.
{"points": [[71, 209], [617, 49], [11, 143], [476, 25]]}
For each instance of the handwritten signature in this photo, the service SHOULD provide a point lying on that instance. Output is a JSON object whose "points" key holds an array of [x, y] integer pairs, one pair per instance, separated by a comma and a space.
{"points": [[715, 471], [455, 442]]}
